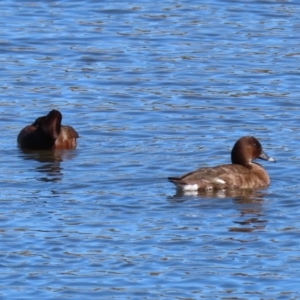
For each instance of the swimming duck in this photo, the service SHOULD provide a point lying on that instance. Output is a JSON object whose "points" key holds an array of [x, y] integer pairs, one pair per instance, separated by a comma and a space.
{"points": [[241, 174], [46, 132]]}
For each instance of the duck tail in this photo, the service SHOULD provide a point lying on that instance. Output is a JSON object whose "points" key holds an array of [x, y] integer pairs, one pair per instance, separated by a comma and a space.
{"points": [[176, 180]]}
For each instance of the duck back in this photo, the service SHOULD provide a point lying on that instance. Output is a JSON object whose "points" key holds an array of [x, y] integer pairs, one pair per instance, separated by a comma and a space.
{"points": [[228, 176]]}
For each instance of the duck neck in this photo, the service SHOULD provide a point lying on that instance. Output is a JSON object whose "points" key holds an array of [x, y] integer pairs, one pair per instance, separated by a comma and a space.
{"points": [[239, 160]]}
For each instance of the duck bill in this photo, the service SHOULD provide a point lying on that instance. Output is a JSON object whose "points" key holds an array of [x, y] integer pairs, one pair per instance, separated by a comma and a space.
{"points": [[264, 156]]}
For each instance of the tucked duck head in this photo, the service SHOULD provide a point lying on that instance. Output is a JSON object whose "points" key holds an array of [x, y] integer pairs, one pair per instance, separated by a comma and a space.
{"points": [[246, 149], [46, 132], [50, 125]]}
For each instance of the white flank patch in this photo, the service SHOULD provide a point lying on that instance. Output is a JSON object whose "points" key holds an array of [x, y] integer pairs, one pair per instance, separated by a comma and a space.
{"points": [[219, 181], [190, 187]]}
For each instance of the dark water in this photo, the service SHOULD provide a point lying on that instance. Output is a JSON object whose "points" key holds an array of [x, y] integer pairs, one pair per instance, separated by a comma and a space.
{"points": [[155, 89]]}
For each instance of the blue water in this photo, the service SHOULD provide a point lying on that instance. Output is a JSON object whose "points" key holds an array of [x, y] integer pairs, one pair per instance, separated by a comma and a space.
{"points": [[155, 89]]}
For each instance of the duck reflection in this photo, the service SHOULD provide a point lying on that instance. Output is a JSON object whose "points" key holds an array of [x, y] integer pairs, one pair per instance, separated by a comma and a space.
{"points": [[50, 162], [221, 194], [248, 202], [251, 212]]}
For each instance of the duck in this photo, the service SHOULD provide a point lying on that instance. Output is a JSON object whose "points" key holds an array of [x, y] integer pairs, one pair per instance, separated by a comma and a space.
{"points": [[47, 133], [242, 173]]}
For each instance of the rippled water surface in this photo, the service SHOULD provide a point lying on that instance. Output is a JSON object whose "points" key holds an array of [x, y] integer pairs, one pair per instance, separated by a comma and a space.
{"points": [[155, 89]]}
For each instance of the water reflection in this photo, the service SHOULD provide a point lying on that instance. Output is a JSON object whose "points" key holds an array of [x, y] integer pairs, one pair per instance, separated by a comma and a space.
{"points": [[248, 203], [240, 194], [50, 162], [250, 208]]}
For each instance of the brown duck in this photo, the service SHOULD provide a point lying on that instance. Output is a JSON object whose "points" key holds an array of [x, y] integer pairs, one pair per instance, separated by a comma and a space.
{"points": [[46, 132], [243, 173]]}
